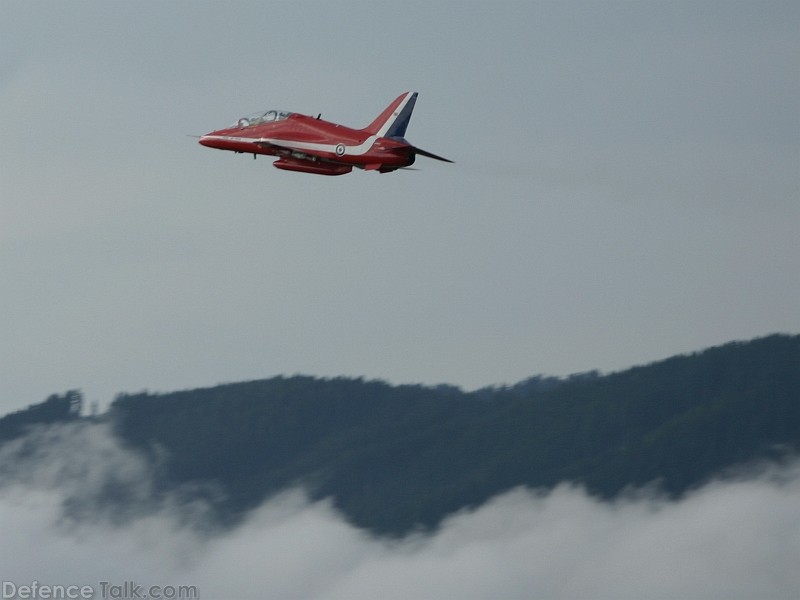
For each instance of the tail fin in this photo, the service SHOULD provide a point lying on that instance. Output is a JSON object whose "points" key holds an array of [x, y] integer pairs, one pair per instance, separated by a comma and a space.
{"points": [[393, 121]]}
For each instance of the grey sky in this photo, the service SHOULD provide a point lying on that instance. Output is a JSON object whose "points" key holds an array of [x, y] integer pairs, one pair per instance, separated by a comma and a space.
{"points": [[626, 187]]}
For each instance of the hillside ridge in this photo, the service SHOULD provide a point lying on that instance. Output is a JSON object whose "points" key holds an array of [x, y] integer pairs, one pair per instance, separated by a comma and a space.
{"points": [[398, 458]]}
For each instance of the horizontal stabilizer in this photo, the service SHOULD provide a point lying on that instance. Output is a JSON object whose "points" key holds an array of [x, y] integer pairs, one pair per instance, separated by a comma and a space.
{"points": [[430, 154]]}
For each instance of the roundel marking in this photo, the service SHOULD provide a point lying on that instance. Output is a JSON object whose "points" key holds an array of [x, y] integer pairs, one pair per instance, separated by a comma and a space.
{"points": [[339, 149]]}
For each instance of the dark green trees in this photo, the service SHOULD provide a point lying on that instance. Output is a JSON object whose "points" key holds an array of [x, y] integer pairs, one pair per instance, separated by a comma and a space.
{"points": [[394, 458]]}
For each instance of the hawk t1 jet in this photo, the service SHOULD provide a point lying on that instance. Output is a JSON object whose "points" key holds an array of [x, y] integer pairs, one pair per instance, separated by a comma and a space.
{"points": [[313, 145]]}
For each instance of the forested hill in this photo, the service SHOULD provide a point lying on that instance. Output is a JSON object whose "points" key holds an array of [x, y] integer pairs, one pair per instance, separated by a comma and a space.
{"points": [[397, 457]]}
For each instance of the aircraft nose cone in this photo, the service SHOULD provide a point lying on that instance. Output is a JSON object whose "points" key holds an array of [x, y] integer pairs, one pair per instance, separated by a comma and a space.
{"points": [[211, 140]]}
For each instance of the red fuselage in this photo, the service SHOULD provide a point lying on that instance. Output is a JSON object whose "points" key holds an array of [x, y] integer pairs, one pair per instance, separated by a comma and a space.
{"points": [[312, 145]]}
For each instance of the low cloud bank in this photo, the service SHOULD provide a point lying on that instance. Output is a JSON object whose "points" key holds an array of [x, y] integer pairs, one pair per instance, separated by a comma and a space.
{"points": [[730, 539]]}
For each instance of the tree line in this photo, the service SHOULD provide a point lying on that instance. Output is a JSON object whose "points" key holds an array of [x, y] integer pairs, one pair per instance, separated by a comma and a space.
{"points": [[396, 458]]}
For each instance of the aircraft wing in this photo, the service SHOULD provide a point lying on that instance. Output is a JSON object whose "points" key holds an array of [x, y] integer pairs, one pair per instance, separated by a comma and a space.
{"points": [[324, 150], [312, 148]]}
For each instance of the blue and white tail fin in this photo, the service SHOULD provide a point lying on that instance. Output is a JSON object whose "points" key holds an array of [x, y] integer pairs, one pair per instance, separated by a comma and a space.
{"points": [[393, 121]]}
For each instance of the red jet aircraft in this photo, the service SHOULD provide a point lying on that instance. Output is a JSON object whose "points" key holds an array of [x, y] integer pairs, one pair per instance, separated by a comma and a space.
{"points": [[312, 145]]}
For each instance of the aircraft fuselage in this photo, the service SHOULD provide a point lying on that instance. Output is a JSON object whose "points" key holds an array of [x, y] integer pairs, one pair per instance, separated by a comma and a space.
{"points": [[313, 145]]}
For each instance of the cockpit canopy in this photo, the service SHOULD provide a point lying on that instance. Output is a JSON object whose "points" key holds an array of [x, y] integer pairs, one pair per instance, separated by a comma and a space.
{"points": [[260, 118]]}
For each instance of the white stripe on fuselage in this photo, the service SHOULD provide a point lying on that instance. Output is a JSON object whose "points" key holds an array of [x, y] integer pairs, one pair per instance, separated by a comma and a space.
{"points": [[359, 150]]}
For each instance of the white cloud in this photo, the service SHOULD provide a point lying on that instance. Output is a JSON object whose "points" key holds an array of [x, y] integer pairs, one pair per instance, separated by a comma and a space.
{"points": [[733, 539]]}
